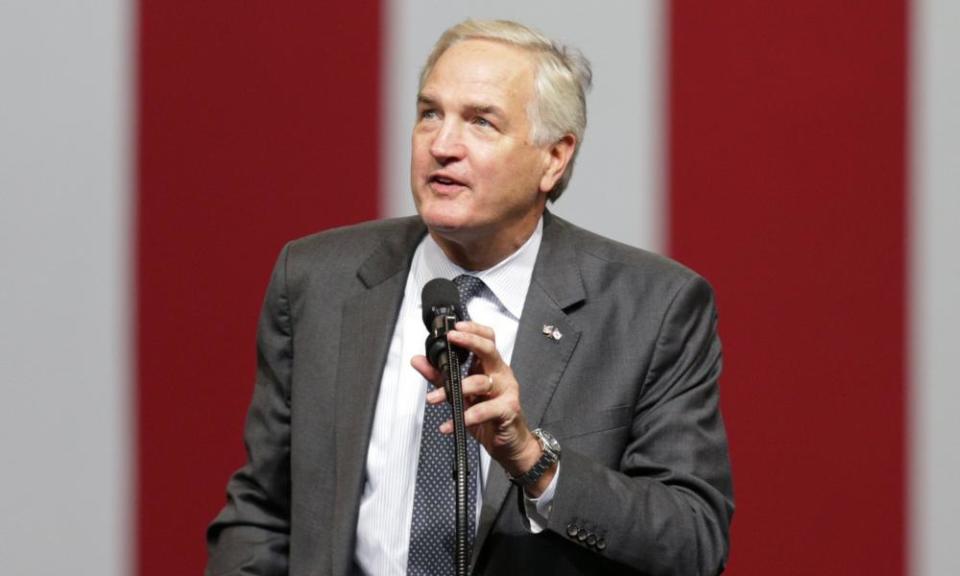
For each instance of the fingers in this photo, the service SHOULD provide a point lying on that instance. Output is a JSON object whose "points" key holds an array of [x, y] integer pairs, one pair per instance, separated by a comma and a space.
{"points": [[501, 412], [480, 340], [492, 396], [423, 366], [437, 396], [479, 385], [491, 399], [474, 388], [474, 328]]}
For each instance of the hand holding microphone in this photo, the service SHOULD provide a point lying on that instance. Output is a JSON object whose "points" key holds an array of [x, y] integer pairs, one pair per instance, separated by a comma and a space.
{"points": [[491, 394]]}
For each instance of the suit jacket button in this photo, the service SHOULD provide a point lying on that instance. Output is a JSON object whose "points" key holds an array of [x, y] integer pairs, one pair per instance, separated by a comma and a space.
{"points": [[601, 544], [583, 535], [591, 540], [572, 530]]}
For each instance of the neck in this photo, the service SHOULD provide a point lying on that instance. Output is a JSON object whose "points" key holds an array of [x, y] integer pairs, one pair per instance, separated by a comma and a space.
{"points": [[480, 251]]}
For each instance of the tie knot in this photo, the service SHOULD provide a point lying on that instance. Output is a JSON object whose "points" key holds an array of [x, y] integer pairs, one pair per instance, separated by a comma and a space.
{"points": [[468, 286]]}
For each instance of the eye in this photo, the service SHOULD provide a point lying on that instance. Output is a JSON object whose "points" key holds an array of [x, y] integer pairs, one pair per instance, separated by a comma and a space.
{"points": [[482, 122], [429, 114]]}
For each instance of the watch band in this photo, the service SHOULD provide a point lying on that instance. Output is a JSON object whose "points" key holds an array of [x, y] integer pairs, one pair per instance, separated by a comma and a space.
{"points": [[550, 456]]}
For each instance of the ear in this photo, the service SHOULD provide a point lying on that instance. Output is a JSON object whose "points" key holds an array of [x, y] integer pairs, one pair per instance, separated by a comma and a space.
{"points": [[557, 156]]}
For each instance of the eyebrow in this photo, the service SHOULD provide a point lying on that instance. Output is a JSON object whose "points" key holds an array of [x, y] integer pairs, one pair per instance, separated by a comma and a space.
{"points": [[424, 100], [488, 109]]}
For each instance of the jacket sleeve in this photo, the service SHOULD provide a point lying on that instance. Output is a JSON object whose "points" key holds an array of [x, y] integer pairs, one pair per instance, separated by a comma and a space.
{"points": [[250, 536], [667, 509]]}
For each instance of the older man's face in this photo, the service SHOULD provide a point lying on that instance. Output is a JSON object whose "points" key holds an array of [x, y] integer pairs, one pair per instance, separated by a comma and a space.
{"points": [[475, 171]]}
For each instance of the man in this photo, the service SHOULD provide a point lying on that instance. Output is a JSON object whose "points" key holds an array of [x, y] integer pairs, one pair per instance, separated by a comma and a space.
{"points": [[593, 390]]}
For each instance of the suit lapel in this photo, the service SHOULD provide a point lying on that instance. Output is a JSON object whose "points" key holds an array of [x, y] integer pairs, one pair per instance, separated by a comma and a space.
{"points": [[539, 360], [366, 329]]}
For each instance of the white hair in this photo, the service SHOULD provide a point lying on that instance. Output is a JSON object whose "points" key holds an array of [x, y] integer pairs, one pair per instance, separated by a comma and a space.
{"points": [[562, 79]]}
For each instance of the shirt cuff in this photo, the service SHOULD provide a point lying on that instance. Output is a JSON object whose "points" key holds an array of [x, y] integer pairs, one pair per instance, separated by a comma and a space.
{"points": [[538, 509]]}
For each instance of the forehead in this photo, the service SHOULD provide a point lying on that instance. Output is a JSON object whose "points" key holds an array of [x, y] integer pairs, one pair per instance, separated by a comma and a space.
{"points": [[482, 68]]}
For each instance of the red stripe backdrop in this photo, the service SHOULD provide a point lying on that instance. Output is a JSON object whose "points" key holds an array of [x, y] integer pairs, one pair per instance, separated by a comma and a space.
{"points": [[257, 123], [787, 190]]}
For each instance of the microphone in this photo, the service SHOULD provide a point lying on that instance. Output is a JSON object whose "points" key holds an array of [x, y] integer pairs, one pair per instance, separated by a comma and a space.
{"points": [[441, 310]]}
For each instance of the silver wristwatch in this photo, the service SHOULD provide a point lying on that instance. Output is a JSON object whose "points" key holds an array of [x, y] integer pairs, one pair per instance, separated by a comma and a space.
{"points": [[550, 456]]}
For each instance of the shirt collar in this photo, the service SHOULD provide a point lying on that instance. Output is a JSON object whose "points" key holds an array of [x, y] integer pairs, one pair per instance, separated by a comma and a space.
{"points": [[509, 279]]}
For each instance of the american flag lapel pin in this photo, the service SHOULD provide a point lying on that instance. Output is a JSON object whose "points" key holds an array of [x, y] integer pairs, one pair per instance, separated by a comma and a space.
{"points": [[551, 331]]}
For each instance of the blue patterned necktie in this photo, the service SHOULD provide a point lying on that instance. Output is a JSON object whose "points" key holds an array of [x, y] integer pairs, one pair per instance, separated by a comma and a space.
{"points": [[432, 528]]}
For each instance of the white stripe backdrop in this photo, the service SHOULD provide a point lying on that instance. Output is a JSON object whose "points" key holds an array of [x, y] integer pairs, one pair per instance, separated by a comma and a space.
{"points": [[617, 187], [935, 290], [65, 224]]}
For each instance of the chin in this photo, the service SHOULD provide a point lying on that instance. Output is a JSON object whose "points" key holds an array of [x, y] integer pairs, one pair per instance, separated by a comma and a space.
{"points": [[446, 225], [444, 217]]}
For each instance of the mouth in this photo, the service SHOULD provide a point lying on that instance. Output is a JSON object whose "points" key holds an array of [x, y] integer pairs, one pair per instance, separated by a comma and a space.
{"points": [[441, 182]]}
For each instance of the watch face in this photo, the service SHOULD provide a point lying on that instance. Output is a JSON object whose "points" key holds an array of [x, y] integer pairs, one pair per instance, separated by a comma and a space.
{"points": [[550, 442], [554, 445]]}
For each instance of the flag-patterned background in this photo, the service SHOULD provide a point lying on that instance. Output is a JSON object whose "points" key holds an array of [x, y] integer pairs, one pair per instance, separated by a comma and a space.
{"points": [[155, 156]]}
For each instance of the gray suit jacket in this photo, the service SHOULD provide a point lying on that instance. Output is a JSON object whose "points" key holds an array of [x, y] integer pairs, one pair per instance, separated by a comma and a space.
{"points": [[630, 391]]}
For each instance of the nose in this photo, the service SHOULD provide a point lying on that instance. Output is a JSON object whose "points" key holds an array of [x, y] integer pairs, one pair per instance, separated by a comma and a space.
{"points": [[447, 144]]}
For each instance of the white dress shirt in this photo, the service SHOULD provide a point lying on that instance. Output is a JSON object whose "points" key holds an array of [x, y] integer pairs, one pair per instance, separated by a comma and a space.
{"points": [[386, 506]]}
